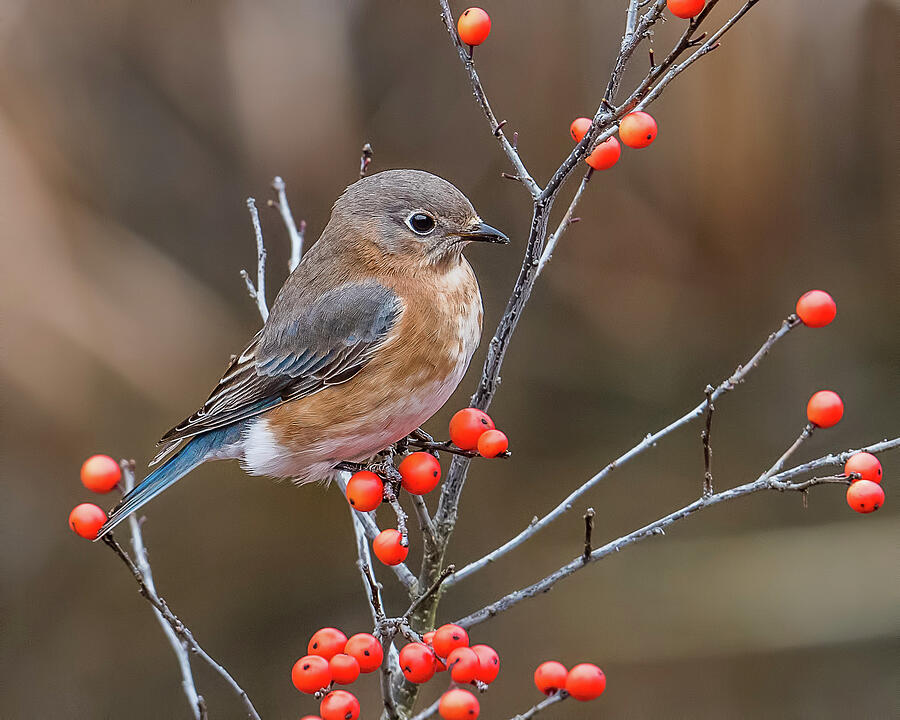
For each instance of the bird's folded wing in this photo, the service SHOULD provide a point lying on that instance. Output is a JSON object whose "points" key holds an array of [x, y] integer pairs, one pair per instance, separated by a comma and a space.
{"points": [[304, 348]]}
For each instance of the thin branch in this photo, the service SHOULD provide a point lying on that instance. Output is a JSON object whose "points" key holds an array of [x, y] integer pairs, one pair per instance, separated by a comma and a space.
{"points": [[257, 292], [281, 204], [376, 606], [776, 482], [371, 530], [496, 128], [428, 712], [779, 464], [705, 435], [447, 572], [426, 525], [391, 496], [564, 224], [180, 629], [364, 159], [179, 646], [649, 441], [588, 530], [711, 44], [448, 447], [542, 705]]}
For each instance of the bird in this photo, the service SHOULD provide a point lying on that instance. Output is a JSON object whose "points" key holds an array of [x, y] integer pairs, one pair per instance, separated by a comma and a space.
{"points": [[366, 340]]}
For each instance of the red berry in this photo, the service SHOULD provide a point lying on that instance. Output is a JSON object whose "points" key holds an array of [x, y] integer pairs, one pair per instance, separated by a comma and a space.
{"points": [[310, 674], [585, 682], [488, 663], [449, 637], [865, 496], [367, 651], [605, 155], [365, 491], [579, 128], [327, 643], [550, 677], [421, 472], [467, 426], [474, 26], [492, 443], [463, 665], [388, 549], [310, 717], [417, 662], [685, 8], [637, 129], [86, 520], [866, 465], [100, 473], [344, 669], [458, 704], [825, 408], [439, 665], [816, 308], [339, 705]]}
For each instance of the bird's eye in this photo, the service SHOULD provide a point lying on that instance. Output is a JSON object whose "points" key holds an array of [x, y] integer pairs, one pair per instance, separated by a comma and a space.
{"points": [[420, 223]]}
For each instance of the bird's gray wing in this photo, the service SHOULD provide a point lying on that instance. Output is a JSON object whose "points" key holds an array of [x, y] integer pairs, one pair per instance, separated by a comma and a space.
{"points": [[305, 347]]}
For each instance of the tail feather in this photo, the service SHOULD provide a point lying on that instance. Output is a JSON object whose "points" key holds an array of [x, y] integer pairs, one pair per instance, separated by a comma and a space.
{"points": [[194, 453]]}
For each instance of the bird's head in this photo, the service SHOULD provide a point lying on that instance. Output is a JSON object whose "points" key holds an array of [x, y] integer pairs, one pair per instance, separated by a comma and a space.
{"points": [[411, 215]]}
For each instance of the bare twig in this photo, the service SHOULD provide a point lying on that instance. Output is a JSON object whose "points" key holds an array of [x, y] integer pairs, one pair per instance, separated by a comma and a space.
{"points": [[480, 97], [428, 712], [777, 482], [564, 224], [649, 441], [364, 159], [281, 204], [391, 496], [711, 44], [705, 438], [425, 523], [447, 572], [588, 530], [804, 434], [376, 605], [370, 529], [257, 292], [179, 646], [542, 705], [180, 629], [447, 447]]}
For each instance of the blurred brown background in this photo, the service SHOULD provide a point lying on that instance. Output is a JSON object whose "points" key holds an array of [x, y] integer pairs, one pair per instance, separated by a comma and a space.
{"points": [[130, 134]]}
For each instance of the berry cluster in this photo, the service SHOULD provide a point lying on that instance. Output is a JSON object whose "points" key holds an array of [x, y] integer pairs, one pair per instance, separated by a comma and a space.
{"points": [[583, 682], [816, 308], [637, 130], [865, 493], [334, 659], [447, 650], [101, 474], [472, 429], [420, 473]]}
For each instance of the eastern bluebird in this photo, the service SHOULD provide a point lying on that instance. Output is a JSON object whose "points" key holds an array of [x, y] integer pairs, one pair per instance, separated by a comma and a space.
{"points": [[367, 339]]}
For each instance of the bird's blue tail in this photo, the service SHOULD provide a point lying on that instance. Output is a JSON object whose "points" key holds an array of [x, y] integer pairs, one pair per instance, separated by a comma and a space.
{"points": [[194, 453]]}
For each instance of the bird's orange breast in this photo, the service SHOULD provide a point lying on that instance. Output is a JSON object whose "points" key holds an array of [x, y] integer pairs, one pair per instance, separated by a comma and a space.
{"points": [[406, 381]]}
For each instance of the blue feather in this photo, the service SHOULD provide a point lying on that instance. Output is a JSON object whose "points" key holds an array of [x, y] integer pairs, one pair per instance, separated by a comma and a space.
{"points": [[194, 453]]}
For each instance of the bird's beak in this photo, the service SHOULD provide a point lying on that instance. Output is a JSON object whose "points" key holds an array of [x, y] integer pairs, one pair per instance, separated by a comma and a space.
{"points": [[482, 232]]}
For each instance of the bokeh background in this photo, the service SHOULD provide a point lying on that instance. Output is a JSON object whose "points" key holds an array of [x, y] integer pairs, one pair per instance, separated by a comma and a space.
{"points": [[132, 132]]}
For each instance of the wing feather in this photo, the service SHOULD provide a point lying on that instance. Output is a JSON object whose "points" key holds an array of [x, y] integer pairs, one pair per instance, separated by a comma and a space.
{"points": [[300, 351]]}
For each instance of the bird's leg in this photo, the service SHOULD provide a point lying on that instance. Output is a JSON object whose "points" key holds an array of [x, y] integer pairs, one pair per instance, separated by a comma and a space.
{"points": [[350, 467], [420, 434]]}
